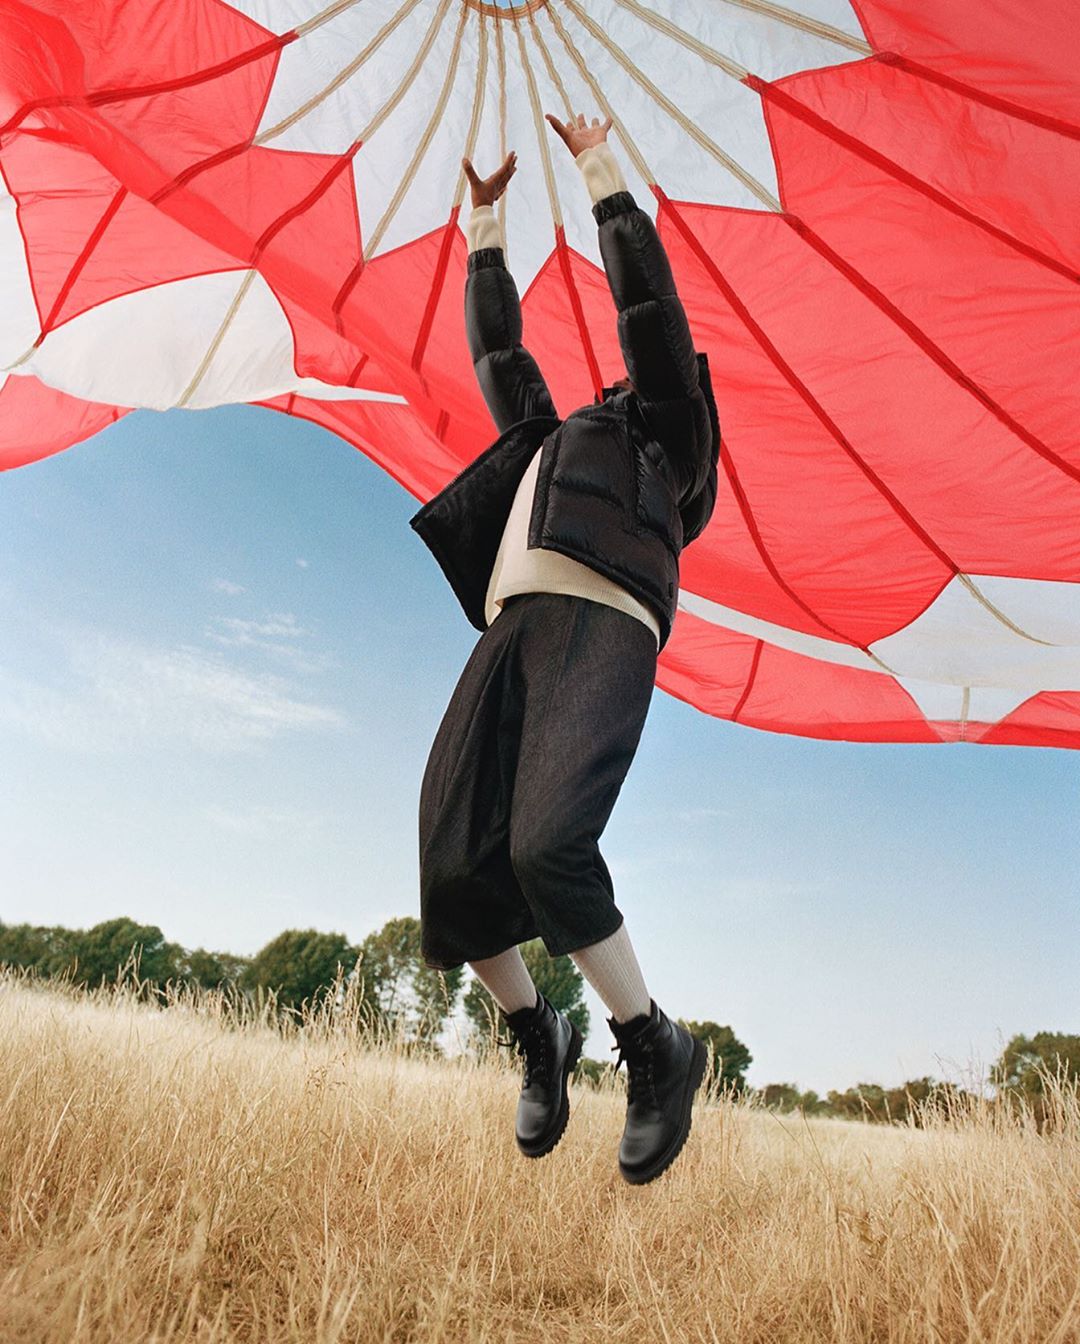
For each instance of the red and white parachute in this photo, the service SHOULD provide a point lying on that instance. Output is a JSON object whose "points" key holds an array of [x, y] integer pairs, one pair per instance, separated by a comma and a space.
{"points": [[872, 210]]}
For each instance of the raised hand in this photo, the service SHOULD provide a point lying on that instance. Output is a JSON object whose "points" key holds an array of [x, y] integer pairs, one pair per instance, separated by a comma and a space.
{"points": [[576, 135], [487, 190]]}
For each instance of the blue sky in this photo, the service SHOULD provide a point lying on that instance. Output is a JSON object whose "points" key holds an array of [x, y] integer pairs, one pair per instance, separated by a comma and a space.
{"points": [[223, 657]]}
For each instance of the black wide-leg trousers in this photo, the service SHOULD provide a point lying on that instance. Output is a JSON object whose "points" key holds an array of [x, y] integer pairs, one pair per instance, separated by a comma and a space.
{"points": [[522, 776]]}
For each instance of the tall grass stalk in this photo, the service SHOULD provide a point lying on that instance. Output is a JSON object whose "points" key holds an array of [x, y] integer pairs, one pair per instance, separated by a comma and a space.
{"points": [[195, 1167]]}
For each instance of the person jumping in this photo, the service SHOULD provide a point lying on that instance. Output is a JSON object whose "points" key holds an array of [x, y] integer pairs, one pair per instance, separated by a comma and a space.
{"points": [[561, 540]]}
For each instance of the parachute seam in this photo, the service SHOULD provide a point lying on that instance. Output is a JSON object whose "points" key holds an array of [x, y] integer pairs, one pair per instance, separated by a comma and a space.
{"points": [[901, 510], [624, 135], [556, 78], [995, 611], [831, 131], [424, 143], [343, 76], [793, 19], [88, 248], [1043, 120], [770, 564], [219, 336], [350, 281], [726, 63], [706, 142], [556, 214], [538, 121], [759, 645], [501, 53], [929, 346], [340, 163], [479, 93], [443, 260], [435, 292]]}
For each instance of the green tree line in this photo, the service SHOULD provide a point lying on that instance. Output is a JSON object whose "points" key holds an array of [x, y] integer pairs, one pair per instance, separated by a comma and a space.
{"points": [[302, 967]]}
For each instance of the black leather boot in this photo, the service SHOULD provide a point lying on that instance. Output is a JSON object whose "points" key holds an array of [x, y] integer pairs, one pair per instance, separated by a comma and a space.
{"points": [[551, 1046], [664, 1066]]}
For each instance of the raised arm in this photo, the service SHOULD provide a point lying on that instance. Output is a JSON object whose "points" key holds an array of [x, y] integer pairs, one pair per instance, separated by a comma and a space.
{"points": [[654, 333], [509, 377]]}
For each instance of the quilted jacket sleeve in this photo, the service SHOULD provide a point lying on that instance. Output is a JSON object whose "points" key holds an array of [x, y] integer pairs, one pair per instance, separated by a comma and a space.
{"points": [[509, 376], [657, 346]]}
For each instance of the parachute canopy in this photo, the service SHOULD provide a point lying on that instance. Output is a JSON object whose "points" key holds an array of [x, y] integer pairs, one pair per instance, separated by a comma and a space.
{"points": [[871, 213]]}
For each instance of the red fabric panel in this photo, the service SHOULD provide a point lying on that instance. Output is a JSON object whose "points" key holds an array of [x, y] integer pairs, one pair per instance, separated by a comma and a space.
{"points": [[36, 421], [67, 200], [1011, 339], [374, 427], [1019, 50], [709, 667], [799, 466], [1051, 719]]}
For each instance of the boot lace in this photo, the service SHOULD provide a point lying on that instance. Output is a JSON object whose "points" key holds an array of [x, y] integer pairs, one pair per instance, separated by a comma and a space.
{"points": [[532, 1046], [640, 1080]]}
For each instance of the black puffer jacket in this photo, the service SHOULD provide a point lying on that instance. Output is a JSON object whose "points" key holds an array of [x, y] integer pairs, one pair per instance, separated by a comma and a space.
{"points": [[624, 484]]}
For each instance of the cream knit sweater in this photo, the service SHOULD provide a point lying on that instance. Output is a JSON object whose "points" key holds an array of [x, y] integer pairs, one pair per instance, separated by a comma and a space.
{"points": [[517, 569]]}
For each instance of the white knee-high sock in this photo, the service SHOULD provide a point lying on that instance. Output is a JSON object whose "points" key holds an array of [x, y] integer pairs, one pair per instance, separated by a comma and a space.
{"points": [[506, 978], [612, 969]]}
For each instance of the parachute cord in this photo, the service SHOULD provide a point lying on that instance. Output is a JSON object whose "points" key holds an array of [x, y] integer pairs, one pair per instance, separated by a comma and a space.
{"points": [[501, 52], [965, 710], [380, 116], [477, 110], [424, 143], [790, 17], [324, 16], [215, 344], [637, 158], [556, 213], [553, 73], [756, 188], [342, 77], [998, 614], [545, 148]]}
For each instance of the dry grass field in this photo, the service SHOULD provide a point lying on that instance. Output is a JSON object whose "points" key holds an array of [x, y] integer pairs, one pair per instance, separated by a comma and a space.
{"points": [[184, 1175]]}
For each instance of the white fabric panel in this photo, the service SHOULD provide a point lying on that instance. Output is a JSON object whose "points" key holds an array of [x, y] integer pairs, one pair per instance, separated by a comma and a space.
{"points": [[813, 646], [1048, 610], [958, 641], [763, 44], [956, 645], [320, 391], [144, 348], [985, 704]]}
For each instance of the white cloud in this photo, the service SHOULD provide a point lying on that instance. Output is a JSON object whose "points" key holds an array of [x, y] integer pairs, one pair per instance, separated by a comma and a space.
{"points": [[302, 563], [227, 586], [278, 634], [250, 632], [115, 693]]}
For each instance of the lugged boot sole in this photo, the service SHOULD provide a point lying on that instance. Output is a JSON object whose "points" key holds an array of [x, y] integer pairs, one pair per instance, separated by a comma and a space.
{"points": [[577, 1041], [698, 1061]]}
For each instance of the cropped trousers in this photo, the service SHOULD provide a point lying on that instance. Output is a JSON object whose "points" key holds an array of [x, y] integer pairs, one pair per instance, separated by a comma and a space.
{"points": [[522, 776]]}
